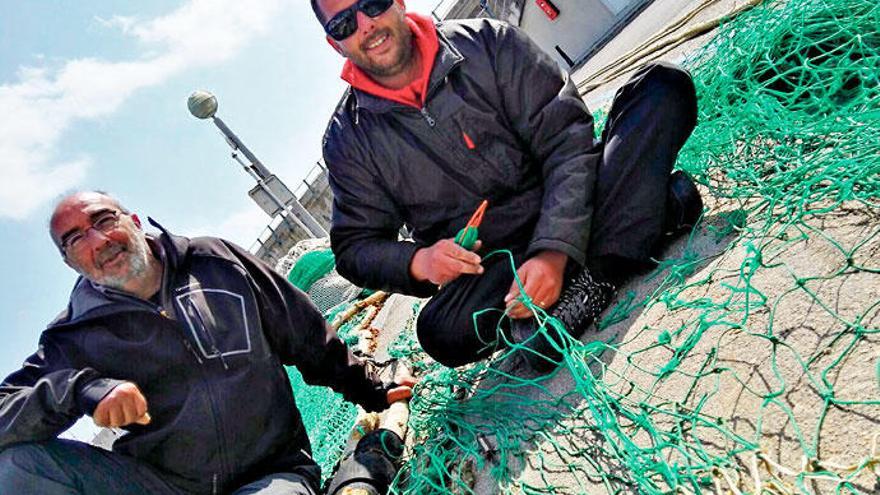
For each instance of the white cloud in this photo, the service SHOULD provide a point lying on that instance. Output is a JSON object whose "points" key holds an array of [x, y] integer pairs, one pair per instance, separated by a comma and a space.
{"points": [[124, 23], [43, 103]]}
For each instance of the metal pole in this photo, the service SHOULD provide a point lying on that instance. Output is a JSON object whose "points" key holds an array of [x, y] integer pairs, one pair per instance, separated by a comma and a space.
{"points": [[275, 199], [261, 173], [203, 105], [236, 144]]}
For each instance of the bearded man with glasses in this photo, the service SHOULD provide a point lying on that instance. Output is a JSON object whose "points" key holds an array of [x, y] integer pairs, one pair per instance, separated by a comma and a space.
{"points": [[439, 118], [180, 343]]}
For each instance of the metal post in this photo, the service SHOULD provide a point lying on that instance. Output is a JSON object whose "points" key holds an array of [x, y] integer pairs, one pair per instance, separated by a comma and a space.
{"points": [[250, 169], [485, 5], [237, 145], [259, 172], [203, 105]]}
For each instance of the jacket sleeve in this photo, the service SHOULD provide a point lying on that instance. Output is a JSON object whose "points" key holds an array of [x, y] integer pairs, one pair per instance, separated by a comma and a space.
{"points": [[544, 107], [45, 397], [301, 337], [365, 229]]}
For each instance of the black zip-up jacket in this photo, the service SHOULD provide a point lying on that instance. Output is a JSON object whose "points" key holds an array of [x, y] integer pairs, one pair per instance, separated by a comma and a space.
{"points": [[534, 158], [208, 359]]}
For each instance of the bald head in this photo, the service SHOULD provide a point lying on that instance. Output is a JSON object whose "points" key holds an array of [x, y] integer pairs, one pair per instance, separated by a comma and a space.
{"points": [[76, 202], [104, 243]]}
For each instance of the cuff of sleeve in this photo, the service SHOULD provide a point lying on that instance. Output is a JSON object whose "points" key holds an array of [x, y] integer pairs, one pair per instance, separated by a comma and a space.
{"points": [[556, 245], [378, 399], [91, 393], [405, 281]]}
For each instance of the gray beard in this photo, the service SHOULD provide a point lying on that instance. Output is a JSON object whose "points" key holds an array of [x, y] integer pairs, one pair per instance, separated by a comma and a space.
{"points": [[137, 267]]}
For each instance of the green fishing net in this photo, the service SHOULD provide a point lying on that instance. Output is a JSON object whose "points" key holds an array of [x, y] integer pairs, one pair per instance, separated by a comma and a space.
{"points": [[748, 361], [311, 267]]}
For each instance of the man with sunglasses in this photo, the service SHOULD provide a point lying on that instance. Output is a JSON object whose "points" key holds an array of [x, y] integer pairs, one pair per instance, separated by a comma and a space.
{"points": [[439, 118], [180, 343]]}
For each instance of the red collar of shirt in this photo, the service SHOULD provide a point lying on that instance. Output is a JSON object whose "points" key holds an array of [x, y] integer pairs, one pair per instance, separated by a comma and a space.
{"points": [[425, 37]]}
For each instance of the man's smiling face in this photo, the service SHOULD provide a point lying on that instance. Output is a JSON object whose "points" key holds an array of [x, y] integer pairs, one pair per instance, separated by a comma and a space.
{"points": [[381, 46], [100, 240]]}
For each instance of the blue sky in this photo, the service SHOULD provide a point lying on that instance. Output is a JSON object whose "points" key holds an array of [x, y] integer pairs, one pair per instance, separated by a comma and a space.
{"points": [[93, 96]]}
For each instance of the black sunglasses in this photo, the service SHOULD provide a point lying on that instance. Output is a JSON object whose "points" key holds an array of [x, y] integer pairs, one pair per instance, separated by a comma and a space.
{"points": [[345, 23]]}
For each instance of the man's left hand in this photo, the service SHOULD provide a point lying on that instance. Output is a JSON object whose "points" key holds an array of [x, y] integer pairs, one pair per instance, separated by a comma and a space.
{"points": [[541, 277]]}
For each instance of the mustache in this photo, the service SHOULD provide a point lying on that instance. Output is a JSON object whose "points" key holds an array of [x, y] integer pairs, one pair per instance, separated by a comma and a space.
{"points": [[109, 252], [374, 37]]}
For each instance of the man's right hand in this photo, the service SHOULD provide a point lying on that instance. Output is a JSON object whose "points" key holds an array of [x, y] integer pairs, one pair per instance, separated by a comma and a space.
{"points": [[124, 405], [444, 262]]}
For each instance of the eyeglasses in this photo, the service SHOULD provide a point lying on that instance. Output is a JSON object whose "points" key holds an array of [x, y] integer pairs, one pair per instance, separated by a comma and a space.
{"points": [[344, 24], [103, 222]]}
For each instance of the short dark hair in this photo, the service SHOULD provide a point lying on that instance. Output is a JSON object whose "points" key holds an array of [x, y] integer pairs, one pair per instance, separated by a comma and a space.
{"points": [[317, 10]]}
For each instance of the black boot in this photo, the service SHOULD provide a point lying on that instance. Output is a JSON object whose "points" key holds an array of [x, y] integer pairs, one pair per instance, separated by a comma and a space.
{"points": [[371, 468], [683, 205], [582, 301]]}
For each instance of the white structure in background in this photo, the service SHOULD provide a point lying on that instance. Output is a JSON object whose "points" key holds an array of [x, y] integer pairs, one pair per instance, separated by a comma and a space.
{"points": [[569, 30]]}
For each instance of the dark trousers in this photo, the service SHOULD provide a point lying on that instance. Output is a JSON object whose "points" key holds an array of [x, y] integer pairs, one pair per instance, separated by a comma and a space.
{"points": [[66, 467], [650, 119]]}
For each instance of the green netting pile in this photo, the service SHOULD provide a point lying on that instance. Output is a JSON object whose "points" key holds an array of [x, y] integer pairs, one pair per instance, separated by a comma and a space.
{"points": [[748, 362], [311, 267], [328, 418]]}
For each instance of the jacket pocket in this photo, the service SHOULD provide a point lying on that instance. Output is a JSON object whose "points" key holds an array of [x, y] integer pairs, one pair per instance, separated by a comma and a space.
{"points": [[217, 321]]}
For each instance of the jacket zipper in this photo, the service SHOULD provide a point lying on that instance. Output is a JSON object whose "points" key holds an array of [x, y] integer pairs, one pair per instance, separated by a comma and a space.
{"points": [[221, 439], [207, 331], [430, 120], [190, 348], [459, 155], [161, 311], [215, 415]]}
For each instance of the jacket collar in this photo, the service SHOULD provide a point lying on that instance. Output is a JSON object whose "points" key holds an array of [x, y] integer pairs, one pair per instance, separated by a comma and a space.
{"points": [[448, 57], [173, 248]]}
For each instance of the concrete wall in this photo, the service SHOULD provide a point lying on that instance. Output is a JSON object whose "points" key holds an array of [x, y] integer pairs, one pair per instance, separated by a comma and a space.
{"points": [[506, 10], [581, 27], [279, 237]]}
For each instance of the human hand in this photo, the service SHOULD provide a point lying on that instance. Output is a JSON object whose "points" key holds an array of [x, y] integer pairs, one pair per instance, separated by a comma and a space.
{"points": [[124, 405], [403, 391], [541, 278], [444, 262]]}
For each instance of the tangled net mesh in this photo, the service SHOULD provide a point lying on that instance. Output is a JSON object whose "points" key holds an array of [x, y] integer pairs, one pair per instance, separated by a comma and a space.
{"points": [[748, 361]]}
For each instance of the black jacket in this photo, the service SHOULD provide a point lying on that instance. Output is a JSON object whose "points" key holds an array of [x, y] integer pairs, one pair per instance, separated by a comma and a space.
{"points": [[534, 158], [208, 360]]}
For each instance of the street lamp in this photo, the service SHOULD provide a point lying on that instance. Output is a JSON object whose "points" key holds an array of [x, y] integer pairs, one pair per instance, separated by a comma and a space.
{"points": [[270, 193]]}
